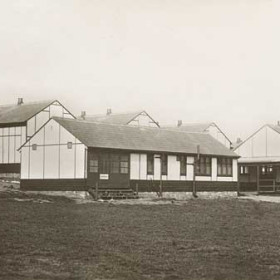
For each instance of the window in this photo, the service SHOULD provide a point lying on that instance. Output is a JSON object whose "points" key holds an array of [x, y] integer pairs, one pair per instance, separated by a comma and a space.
{"points": [[34, 147], [244, 170], [224, 167], [115, 163], [150, 164], [124, 164], [69, 145], [164, 164], [266, 170], [93, 164], [203, 166], [183, 165]]}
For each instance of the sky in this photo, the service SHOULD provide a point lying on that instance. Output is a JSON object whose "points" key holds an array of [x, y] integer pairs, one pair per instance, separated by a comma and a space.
{"points": [[193, 60]]}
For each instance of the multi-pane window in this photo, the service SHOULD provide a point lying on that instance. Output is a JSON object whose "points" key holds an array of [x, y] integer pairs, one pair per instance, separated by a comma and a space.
{"points": [[183, 165], [203, 166], [224, 166], [109, 163], [244, 170], [266, 170], [124, 164], [93, 164], [150, 164], [164, 164]]}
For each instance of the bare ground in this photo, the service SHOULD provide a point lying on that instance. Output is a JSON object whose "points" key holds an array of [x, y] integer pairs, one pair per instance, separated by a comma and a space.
{"points": [[53, 237]]}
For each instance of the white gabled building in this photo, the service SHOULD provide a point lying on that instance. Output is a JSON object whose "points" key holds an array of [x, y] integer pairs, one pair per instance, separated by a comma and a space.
{"points": [[137, 118], [67, 154], [209, 127], [259, 164], [18, 122]]}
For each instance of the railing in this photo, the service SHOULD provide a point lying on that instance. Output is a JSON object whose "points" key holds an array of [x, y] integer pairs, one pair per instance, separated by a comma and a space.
{"points": [[267, 187]]}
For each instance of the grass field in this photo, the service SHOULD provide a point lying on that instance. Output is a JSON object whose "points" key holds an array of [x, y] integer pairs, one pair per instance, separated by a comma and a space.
{"points": [[202, 239]]}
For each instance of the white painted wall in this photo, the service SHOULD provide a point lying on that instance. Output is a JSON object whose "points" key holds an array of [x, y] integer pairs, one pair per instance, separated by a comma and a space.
{"points": [[10, 141], [215, 132], [52, 159], [36, 122], [138, 169], [214, 173], [12, 138], [265, 143]]}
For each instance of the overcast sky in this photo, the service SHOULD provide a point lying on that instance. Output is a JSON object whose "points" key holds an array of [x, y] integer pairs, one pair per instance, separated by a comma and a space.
{"points": [[195, 60]]}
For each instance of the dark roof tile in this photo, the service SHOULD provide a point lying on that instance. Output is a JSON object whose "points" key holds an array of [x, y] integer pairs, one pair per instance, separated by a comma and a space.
{"points": [[143, 138]]}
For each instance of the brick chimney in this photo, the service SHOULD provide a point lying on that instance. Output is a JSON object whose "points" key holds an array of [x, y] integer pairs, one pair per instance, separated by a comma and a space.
{"points": [[179, 123], [109, 111], [83, 115], [20, 101]]}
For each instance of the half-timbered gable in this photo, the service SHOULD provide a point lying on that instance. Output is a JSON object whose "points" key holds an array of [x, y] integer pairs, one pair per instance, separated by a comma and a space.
{"points": [[121, 156], [18, 123]]}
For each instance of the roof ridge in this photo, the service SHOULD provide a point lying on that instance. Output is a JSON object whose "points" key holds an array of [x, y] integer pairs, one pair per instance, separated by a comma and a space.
{"points": [[29, 103], [129, 127], [114, 114]]}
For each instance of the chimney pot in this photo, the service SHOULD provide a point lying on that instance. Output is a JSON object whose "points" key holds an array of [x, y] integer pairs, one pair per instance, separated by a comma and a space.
{"points": [[83, 115], [109, 111], [20, 101], [179, 123]]}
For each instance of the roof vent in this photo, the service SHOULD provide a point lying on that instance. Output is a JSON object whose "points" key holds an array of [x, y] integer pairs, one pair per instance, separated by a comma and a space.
{"points": [[20, 101], [109, 111], [83, 115], [179, 123], [238, 140]]}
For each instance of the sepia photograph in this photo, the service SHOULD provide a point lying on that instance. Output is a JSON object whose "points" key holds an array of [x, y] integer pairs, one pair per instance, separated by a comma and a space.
{"points": [[139, 139]]}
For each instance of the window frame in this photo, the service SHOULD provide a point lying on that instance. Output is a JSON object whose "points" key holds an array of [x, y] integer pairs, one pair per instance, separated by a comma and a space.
{"points": [[150, 164], [224, 167], [202, 165], [244, 170]]}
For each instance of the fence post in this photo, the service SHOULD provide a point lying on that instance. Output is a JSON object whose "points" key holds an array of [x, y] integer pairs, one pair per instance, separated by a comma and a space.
{"points": [[96, 191]]}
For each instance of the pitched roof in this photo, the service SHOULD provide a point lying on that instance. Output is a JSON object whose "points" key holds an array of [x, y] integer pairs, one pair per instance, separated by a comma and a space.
{"points": [[142, 138], [274, 127], [196, 127], [191, 127], [21, 113], [121, 118], [259, 159]]}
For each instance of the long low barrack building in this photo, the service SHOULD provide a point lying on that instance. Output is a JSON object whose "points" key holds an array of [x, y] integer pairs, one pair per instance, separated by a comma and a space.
{"points": [[67, 154]]}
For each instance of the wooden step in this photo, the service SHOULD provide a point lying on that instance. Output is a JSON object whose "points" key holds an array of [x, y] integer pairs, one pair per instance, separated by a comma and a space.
{"points": [[113, 194]]}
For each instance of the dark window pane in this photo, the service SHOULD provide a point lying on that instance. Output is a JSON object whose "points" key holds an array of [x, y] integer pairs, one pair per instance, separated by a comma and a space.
{"points": [[150, 164]]}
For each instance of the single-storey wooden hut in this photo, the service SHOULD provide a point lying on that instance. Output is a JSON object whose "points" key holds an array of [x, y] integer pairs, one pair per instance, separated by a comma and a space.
{"points": [[208, 127], [259, 164], [18, 122], [67, 154]]}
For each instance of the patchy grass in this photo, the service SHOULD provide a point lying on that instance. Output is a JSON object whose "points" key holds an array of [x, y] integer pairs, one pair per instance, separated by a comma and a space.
{"points": [[201, 239]]}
